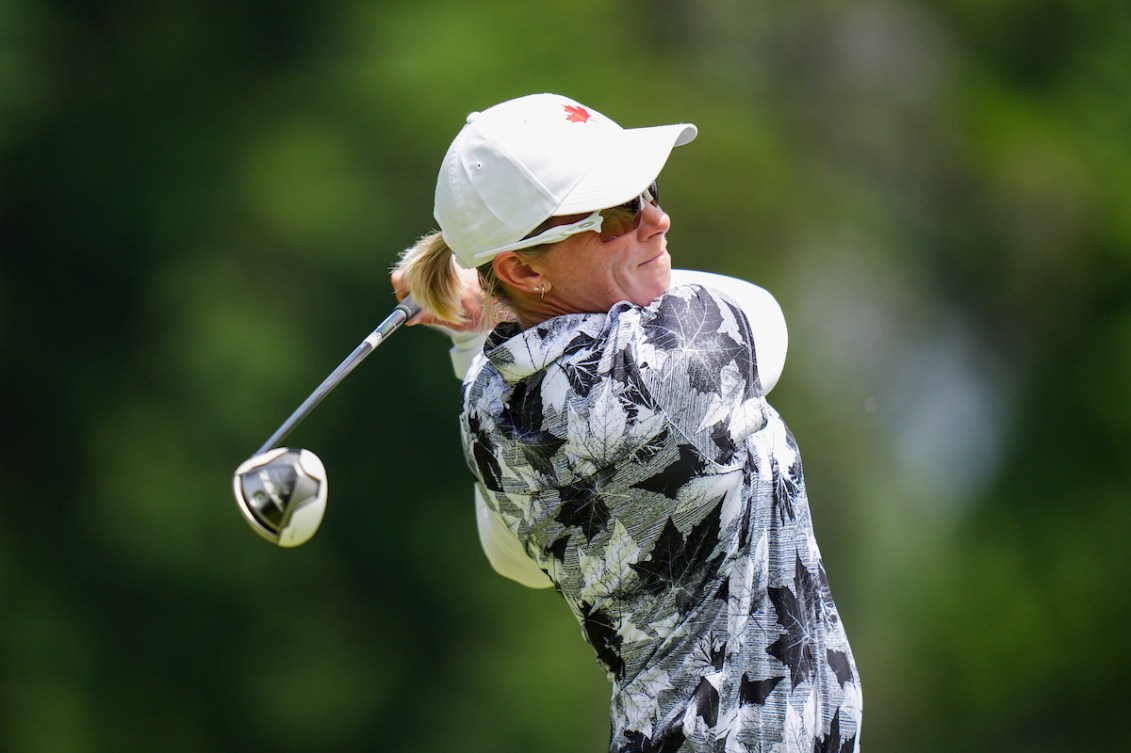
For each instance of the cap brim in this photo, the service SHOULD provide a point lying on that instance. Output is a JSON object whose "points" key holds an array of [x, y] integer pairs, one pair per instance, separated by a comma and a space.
{"points": [[630, 164]]}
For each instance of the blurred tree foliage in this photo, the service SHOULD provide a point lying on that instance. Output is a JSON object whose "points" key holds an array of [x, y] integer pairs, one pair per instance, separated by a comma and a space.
{"points": [[199, 202]]}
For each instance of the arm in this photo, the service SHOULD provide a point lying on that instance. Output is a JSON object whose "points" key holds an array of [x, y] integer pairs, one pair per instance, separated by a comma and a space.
{"points": [[500, 545], [466, 346], [503, 549], [767, 323]]}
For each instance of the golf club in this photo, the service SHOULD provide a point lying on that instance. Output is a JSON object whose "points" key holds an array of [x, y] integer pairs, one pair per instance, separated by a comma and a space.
{"points": [[281, 491]]}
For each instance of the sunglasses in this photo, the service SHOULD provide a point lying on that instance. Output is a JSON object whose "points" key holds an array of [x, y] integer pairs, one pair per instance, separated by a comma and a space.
{"points": [[610, 223], [623, 219]]}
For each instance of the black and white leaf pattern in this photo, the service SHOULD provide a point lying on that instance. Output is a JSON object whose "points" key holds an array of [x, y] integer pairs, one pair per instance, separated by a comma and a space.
{"points": [[582, 374], [707, 702], [756, 691], [676, 561], [787, 488], [602, 635], [522, 422], [634, 456], [557, 548], [833, 742], [673, 477], [798, 610], [608, 571], [841, 666], [638, 742], [583, 506], [484, 456]]}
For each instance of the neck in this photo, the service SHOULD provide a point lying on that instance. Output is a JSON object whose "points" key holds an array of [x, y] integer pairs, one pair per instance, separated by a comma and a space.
{"points": [[532, 310]]}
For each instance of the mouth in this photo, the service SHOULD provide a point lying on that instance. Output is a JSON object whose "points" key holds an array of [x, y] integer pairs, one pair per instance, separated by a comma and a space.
{"points": [[658, 257]]}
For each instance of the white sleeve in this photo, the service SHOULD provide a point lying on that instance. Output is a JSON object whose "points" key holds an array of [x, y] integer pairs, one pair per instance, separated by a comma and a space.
{"points": [[503, 549], [767, 322], [466, 347]]}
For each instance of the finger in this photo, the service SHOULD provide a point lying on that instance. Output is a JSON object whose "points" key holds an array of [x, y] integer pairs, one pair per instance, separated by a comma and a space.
{"points": [[398, 286]]}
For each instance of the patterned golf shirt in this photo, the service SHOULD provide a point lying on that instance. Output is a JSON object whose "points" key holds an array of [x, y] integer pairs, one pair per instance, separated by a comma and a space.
{"points": [[635, 458]]}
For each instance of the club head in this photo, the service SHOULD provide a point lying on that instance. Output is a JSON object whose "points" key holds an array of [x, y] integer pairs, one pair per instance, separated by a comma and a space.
{"points": [[282, 494]]}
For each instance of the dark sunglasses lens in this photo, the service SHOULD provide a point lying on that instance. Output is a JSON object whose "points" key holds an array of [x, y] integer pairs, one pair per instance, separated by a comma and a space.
{"points": [[624, 219], [618, 221]]}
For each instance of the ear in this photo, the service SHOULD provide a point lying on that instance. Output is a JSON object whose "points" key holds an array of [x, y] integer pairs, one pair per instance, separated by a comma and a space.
{"points": [[516, 271]]}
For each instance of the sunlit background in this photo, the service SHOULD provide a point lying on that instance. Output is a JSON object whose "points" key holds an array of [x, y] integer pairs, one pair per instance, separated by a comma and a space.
{"points": [[199, 203]]}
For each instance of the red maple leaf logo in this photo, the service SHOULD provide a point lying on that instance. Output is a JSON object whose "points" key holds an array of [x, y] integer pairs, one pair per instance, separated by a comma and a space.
{"points": [[576, 114]]}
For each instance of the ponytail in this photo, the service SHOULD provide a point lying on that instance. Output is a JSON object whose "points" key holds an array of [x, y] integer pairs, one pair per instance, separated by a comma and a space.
{"points": [[428, 270]]}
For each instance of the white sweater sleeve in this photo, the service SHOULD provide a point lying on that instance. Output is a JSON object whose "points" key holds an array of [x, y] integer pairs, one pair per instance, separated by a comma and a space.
{"points": [[771, 338], [466, 346], [503, 549]]}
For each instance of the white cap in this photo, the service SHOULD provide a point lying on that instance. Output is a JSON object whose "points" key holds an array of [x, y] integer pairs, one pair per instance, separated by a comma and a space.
{"points": [[518, 163]]}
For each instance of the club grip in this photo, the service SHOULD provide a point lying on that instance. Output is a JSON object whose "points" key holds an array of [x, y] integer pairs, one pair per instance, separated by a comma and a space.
{"points": [[409, 306]]}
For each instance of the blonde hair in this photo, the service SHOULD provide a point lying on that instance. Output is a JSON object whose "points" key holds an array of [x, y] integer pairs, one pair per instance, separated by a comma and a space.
{"points": [[429, 271]]}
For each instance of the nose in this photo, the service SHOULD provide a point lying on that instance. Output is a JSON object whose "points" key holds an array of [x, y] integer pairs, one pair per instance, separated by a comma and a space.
{"points": [[653, 220]]}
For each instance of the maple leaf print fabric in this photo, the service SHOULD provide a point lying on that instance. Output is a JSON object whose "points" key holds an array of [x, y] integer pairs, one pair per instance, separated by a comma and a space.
{"points": [[636, 459]]}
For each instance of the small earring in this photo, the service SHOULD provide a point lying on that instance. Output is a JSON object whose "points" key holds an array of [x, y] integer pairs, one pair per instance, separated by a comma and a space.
{"points": [[541, 290]]}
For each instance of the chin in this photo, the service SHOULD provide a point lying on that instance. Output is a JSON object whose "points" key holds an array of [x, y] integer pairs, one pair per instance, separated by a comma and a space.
{"points": [[653, 292]]}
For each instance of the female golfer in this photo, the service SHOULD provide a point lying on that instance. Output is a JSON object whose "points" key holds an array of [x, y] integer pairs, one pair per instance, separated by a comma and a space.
{"points": [[623, 450]]}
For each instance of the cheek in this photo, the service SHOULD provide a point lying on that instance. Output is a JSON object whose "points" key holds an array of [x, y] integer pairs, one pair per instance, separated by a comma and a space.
{"points": [[588, 268]]}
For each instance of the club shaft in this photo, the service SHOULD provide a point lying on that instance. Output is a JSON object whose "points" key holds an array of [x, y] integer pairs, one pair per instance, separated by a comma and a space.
{"points": [[403, 311]]}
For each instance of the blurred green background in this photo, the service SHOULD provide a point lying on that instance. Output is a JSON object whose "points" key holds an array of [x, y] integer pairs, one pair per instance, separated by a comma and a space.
{"points": [[199, 203]]}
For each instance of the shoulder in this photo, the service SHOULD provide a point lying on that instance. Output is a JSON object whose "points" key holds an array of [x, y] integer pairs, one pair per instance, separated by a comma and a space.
{"points": [[763, 315], [693, 316], [691, 331], [694, 355]]}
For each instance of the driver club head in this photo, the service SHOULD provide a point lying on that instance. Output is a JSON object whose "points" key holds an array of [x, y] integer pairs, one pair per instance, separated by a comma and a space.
{"points": [[282, 494]]}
